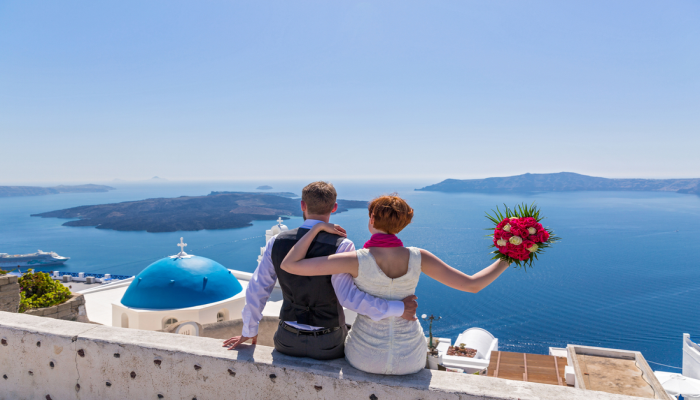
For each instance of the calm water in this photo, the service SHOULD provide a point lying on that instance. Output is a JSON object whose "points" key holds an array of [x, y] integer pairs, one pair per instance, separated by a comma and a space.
{"points": [[625, 275]]}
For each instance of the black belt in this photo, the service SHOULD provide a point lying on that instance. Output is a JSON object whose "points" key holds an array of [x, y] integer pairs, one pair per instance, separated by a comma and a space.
{"points": [[307, 333]]}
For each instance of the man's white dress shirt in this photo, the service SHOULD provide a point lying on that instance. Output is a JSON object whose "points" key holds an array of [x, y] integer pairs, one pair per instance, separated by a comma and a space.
{"points": [[263, 282]]}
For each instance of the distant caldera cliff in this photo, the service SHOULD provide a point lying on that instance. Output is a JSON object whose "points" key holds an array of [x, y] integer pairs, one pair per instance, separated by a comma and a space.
{"points": [[218, 210], [16, 191], [564, 182]]}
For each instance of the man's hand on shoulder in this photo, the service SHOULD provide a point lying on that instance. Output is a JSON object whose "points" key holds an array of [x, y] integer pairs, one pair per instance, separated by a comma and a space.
{"points": [[237, 340], [410, 305]]}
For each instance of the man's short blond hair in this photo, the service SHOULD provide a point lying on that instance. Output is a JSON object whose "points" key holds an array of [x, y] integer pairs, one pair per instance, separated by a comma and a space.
{"points": [[319, 197]]}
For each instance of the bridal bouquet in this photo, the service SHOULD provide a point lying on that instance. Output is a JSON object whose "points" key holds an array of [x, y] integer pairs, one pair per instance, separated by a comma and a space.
{"points": [[519, 236]]}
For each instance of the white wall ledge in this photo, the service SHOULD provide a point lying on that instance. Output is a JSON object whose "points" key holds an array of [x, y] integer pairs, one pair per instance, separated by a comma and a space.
{"points": [[186, 367]]}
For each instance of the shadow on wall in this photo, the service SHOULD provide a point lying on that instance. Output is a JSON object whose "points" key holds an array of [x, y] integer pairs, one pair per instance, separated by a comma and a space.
{"points": [[228, 329]]}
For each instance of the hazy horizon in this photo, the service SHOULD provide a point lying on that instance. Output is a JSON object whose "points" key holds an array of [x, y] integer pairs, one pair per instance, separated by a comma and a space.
{"points": [[256, 181], [355, 90]]}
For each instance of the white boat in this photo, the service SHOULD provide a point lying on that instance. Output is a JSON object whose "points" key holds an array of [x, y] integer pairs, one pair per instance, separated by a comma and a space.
{"points": [[38, 259]]}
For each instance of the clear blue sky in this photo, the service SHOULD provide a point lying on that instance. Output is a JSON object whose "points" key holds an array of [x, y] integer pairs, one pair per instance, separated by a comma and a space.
{"points": [[96, 90]]}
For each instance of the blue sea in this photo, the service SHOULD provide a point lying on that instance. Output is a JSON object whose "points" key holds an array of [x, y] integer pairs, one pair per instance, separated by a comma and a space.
{"points": [[625, 274]]}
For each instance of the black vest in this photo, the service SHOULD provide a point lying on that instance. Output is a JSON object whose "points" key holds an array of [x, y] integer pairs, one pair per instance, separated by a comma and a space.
{"points": [[308, 300]]}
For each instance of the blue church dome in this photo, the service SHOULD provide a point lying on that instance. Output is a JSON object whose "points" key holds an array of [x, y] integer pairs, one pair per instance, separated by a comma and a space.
{"points": [[179, 282]]}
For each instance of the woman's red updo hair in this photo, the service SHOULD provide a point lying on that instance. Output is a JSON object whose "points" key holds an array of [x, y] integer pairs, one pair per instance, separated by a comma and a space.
{"points": [[391, 213]]}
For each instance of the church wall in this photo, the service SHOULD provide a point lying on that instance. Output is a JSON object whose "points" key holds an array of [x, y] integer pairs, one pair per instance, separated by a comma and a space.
{"points": [[43, 358], [152, 320], [234, 307]]}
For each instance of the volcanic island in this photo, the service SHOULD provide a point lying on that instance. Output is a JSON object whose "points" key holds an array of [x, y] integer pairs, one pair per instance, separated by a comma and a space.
{"points": [[217, 210]]}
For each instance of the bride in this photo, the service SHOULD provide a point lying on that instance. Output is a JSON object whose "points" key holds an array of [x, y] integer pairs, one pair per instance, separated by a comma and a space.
{"points": [[386, 269]]}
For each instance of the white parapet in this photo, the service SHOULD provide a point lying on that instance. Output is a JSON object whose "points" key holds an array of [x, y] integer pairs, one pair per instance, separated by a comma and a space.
{"points": [[570, 375], [691, 358], [48, 358], [558, 352]]}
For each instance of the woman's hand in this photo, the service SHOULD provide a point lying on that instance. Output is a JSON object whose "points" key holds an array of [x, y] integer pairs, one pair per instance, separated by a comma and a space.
{"points": [[294, 262], [330, 228]]}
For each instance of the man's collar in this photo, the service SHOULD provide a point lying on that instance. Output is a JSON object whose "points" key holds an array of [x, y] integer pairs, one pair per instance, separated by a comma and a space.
{"points": [[309, 223]]}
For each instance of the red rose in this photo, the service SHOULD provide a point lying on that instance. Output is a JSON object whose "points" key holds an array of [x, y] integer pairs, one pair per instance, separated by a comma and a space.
{"points": [[525, 254]]}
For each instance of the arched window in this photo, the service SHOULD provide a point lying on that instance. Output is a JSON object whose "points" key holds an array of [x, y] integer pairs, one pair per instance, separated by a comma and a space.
{"points": [[125, 320], [169, 321], [222, 315]]}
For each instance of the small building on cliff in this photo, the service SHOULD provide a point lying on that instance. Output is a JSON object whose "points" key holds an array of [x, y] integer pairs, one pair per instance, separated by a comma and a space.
{"points": [[178, 288]]}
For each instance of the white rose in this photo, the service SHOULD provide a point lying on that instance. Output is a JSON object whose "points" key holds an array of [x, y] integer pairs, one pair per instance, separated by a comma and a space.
{"points": [[515, 240], [512, 218], [533, 248], [532, 230], [501, 242], [507, 228]]}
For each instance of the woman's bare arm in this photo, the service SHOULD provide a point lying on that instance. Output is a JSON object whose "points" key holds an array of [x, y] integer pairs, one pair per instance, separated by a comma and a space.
{"points": [[443, 273], [295, 263]]}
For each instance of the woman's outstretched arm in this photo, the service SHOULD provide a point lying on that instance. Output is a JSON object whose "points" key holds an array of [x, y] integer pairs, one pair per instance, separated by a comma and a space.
{"points": [[443, 273], [341, 263]]}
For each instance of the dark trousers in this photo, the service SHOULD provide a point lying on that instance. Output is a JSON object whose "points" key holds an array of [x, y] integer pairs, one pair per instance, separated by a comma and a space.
{"points": [[322, 347]]}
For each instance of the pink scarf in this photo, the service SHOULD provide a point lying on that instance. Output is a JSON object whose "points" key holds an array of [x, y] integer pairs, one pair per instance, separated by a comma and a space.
{"points": [[383, 240]]}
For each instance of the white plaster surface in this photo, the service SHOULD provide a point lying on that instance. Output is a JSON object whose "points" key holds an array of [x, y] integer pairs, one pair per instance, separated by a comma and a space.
{"points": [[153, 319], [98, 300], [187, 367]]}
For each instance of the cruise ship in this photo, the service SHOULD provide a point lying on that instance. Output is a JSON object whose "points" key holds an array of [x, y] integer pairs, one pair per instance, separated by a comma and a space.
{"points": [[38, 259]]}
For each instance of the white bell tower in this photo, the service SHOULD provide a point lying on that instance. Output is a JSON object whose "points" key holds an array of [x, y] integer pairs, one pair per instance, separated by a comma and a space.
{"points": [[275, 230]]}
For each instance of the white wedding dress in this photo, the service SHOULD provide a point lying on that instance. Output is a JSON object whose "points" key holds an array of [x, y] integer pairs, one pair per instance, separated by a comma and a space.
{"points": [[392, 346]]}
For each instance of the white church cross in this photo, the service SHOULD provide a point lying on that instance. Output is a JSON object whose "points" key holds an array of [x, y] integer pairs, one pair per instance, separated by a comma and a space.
{"points": [[279, 221], [182, 246]]}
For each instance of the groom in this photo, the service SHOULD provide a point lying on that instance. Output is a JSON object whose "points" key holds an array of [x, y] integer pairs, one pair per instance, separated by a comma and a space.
{"points": [[312, 322]]}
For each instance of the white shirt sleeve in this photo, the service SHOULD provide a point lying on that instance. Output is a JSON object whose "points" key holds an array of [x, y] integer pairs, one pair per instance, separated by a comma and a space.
{"points": [[354, 299], [259, 289]]}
